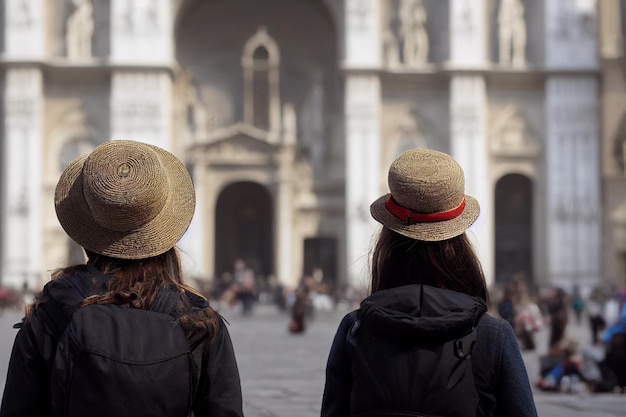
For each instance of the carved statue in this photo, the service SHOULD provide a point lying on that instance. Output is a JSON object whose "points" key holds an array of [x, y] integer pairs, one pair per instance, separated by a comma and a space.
{"points": [[413, 32], [512, 33], [391, 51], [80, 28]]}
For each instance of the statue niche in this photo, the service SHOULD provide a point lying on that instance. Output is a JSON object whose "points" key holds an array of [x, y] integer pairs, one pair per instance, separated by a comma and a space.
{"points": [[405, 40], [79, 30], [511, 33]]}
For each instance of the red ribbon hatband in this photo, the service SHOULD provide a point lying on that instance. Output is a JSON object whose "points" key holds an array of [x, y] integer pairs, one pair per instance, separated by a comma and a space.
{"points": [[411, 217]]}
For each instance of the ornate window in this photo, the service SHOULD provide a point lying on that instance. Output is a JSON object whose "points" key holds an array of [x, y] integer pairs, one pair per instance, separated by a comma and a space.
{"points": [[260, 61]]}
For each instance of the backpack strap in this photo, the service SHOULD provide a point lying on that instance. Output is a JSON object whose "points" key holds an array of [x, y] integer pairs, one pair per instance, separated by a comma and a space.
{"points": [[464, 346], [353, 330]]}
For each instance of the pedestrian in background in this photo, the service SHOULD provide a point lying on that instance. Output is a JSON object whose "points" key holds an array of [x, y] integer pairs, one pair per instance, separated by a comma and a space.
{"points": [[595, 314], [427, 288], [578, 304], [162, 350], [558, 307]]}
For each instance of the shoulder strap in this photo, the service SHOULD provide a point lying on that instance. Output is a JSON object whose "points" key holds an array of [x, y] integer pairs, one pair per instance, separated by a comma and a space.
{"points": [[353, 330]]}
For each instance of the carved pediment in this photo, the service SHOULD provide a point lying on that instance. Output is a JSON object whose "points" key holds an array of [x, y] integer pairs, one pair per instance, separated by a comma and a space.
{"points": [[239, 142], [511, 135]]}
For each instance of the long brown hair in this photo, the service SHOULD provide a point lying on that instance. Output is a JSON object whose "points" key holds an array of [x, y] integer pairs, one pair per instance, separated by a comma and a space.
{"points": [[451, 264], [136, 282]]}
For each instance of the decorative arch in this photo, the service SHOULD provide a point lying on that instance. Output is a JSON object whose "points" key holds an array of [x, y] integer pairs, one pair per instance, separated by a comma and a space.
{"points": [[260, 61], [513, 227], [243, 228]]}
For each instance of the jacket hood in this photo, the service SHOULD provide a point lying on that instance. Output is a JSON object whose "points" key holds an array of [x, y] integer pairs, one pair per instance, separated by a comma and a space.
{"points": [[422, 312]]}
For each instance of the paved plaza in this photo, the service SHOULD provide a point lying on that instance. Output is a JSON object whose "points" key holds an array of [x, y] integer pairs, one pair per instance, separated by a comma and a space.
{"points": [[283, 374]]}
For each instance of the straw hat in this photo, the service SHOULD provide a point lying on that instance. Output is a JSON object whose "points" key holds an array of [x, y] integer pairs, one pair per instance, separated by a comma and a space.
{"points": [[427, 199], [126, 199]]}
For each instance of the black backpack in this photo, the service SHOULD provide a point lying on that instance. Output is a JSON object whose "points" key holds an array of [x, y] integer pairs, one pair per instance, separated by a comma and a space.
{"points": [[114, 360], [409, 379]]}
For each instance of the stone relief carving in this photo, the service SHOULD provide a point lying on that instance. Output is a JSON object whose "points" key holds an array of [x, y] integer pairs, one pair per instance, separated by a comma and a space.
{"points": [[512, 136], [413, 32], [405, 40], [512, 33], [79, 30]]}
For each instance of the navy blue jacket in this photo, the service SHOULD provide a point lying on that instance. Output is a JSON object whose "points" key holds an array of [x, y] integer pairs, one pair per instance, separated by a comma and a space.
{"points": [[28, 392], [426, 312]]}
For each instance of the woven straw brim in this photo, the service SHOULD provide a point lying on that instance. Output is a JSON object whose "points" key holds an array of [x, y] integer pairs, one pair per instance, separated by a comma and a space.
{"points": [[151, 239], [435, 231]]}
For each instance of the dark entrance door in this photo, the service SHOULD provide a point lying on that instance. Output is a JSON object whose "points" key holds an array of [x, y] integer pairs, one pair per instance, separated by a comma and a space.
{"points": [[513, 209], [243, 228], [321, 253]]}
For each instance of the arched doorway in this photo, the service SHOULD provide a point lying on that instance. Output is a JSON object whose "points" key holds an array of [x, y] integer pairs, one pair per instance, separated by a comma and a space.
{"points": [[243, 228], [514, 228]]}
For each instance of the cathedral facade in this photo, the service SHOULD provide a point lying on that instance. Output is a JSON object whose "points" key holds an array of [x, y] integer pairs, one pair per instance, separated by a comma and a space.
{"points": [[288, 114]]}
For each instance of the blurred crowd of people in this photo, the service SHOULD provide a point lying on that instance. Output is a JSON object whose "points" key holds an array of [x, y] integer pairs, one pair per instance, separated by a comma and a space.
{"points": [[241, 290], [569, 363]]}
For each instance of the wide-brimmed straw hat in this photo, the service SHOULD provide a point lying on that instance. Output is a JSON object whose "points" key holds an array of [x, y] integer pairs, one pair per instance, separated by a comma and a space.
{"points": [[126, 200], [427, 199]]}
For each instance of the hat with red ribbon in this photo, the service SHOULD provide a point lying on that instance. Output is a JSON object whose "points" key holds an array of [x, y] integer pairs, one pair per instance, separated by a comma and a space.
{"points": [[427, 199]]}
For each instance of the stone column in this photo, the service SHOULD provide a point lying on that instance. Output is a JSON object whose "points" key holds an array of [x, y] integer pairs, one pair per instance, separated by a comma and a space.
{"points": [[573, 181], [283, 220], [141, 32], [141, 107], [573, 212], [23, 30], [141, 98], [468, 115], [21, 247], [362, 132], [192, 244], [468, 37], [468, 112], [22, 174]]}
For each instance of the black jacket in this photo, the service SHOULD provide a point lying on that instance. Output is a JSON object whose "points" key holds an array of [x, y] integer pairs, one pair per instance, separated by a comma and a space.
{"points": [[428, 313], [27, 389]]}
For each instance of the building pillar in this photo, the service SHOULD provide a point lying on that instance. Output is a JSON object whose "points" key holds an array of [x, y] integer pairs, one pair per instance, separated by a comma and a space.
{"points": [[141, 32], [141, 106], [21, 245], [573, 181], [195, 259], [23, 29], [21, 211], [362, 132], [573, 143], [283, 221], [468, 118], [141, 99]]}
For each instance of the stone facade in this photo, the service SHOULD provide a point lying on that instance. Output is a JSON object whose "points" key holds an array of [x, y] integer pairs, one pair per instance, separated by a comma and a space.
{"points": [[289, 113]]}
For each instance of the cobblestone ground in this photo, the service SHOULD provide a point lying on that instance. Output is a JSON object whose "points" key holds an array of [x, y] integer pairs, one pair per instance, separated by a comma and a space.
{"points": [[283, 374]]}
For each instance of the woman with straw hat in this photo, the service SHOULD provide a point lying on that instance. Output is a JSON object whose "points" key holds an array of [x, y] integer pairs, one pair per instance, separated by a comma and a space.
{"points": [[427, 292], [161, 349]]}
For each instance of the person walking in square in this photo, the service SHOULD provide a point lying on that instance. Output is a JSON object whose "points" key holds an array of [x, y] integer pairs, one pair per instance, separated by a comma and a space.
{"points": [[427, 291], [122, 334]]}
